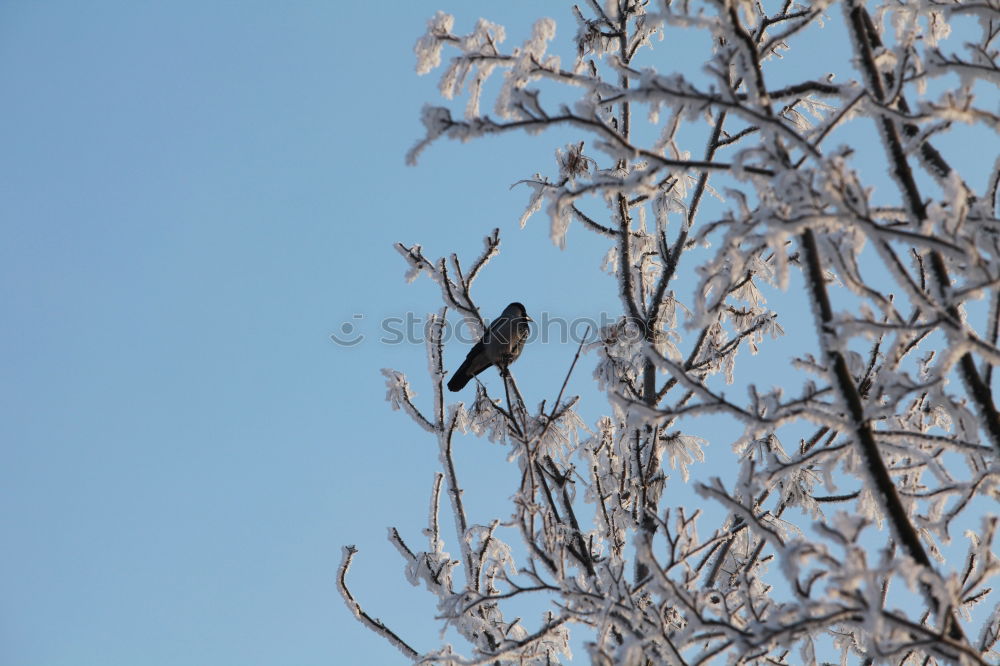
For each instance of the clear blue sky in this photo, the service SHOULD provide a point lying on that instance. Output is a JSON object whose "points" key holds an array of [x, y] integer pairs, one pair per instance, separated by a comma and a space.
{"points": [[193, 197]]}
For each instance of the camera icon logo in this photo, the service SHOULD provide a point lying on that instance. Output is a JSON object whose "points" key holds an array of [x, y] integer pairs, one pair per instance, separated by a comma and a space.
{"points": [[349, 334]]}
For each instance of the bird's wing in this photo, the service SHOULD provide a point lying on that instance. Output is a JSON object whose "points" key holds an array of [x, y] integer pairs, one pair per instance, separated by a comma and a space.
{"points": [[477, 360], [499, 338]]}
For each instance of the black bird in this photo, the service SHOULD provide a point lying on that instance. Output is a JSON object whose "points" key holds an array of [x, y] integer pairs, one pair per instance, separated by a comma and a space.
{"points": [[500, 346]]}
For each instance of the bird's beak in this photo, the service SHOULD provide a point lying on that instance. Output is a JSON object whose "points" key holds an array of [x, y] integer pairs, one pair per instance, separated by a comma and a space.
{"points": [[527, 318]]}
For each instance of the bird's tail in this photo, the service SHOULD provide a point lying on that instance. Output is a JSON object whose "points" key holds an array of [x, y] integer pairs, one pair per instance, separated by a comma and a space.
{"points": [[461, 377]]}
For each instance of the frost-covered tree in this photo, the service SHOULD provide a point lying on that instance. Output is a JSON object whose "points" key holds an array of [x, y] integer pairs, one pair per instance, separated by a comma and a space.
{"points": [[844, 489]]}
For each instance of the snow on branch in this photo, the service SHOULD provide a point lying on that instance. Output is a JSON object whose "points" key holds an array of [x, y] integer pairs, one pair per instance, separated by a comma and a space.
{"points": [[819, 307]]}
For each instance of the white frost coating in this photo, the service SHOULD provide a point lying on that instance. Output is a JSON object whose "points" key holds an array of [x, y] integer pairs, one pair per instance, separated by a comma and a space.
{"points": [[535, 201], [436, 120], [479, 48], [542, 32], [458, 415], [587, 498], [428, 47], [526, 60], [683, 451], [400, 396], [432, 334], [561, 215]]}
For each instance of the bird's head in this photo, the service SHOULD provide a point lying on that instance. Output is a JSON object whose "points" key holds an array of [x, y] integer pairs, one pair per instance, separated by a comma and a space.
{"points": [[516, 311]]}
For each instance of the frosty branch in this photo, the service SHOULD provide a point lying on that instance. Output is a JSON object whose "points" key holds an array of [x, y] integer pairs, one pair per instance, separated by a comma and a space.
{"points": [[887, 389]]}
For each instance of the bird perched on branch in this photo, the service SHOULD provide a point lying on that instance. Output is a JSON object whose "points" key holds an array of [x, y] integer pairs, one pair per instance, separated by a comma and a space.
{"points": [[500, 346]]}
